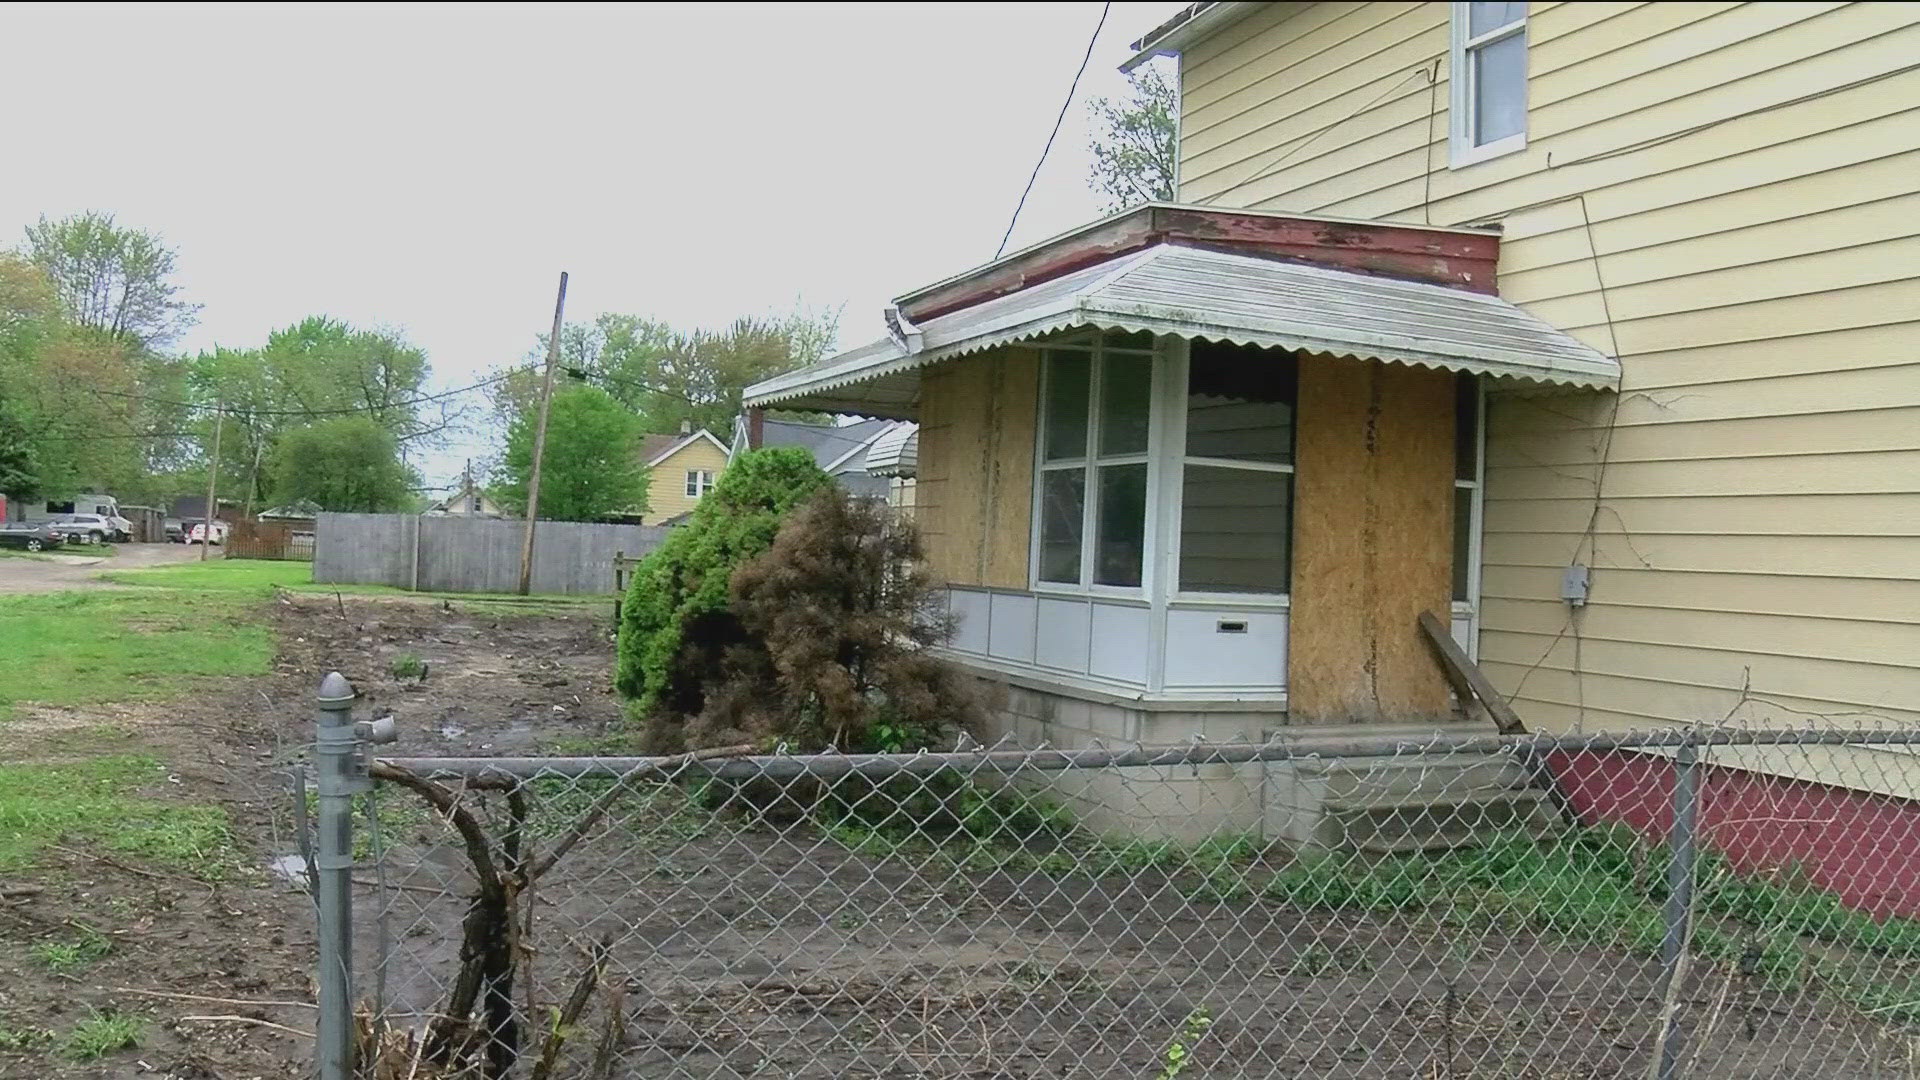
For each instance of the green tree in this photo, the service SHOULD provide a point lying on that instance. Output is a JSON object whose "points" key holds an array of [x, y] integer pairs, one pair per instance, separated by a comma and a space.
{"points": [[1136, 143], [112, 280], [666, 377], [591, 468], [676, 627], [316, 369], [346, 463]]}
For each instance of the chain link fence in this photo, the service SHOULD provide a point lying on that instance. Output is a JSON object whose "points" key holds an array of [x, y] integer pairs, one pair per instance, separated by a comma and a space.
{"points": [[1700, 903]]}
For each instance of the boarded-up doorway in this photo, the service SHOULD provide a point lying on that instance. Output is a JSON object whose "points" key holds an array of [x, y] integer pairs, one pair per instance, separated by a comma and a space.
{"points": [[1372, 541]]}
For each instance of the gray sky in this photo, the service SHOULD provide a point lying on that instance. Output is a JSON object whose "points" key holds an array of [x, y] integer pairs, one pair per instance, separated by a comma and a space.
{"points": [[434, 168]]}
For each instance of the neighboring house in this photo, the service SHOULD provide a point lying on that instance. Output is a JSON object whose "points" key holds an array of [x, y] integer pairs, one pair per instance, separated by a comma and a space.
{"points": [[845, 452], [1609, 351], [192, 508], [681, 469], [468, 500]]}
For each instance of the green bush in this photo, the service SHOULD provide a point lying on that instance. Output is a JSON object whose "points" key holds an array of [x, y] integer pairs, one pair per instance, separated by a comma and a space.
{"points": [[676, 625]]}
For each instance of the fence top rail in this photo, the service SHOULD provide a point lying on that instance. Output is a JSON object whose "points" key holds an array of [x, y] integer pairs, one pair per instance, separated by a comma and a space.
{"points": [[1010, 760]]}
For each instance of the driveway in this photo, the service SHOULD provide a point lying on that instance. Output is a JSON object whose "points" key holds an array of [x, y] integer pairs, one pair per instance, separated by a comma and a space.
{"points": [[75, 567]]}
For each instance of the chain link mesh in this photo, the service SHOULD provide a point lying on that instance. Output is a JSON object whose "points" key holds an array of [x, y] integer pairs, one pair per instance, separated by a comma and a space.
{"points": [[1457, 909]]}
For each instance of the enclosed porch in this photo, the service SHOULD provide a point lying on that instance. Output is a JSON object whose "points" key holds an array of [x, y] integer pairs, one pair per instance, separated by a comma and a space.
{"points": [[1197, 474]]}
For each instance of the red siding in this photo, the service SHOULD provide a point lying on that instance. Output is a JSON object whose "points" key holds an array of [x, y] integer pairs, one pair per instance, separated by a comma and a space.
{"points": [[1861, 846]]}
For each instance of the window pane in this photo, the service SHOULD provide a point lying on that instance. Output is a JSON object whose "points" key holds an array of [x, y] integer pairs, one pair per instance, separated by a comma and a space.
{"points": [[1462, 540], [1063, 493], [1066, 405], [1240, 403], [1235, 526], [1482, 18], [1466, 428], [1500, 85], [1126, 389], [1121, 540]]}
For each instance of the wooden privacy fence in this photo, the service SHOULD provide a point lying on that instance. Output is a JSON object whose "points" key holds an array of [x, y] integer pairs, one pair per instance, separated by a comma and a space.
{"points": [[288, 539], [472, 555]]}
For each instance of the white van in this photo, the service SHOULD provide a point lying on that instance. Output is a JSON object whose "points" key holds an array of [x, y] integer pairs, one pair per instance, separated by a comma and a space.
{"points": [[106, 506]]}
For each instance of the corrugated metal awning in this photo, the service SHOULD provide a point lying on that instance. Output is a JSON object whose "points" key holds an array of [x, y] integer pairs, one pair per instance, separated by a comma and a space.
{"points": [[896, 452], [1193, 292]]}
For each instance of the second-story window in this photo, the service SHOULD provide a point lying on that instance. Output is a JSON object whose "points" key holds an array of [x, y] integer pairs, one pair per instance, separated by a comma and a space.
{"points": [[1488, 69], [698, 481]]}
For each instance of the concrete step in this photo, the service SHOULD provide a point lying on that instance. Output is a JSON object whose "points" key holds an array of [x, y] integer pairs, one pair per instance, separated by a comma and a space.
{"points": [[1403, 804]]}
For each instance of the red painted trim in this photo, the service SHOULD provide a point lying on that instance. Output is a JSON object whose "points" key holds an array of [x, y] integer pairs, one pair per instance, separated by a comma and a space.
{"points": [[1861, 846], [1462, 260]]}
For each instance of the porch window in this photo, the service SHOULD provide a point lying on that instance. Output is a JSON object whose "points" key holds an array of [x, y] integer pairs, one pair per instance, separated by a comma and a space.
{"points": [[1488, 72], [1095, 411], [1236, 496]]}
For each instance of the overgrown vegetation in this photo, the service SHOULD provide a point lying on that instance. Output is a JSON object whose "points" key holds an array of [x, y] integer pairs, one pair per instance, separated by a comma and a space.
{"points": [[812, 632], [838, 616], [676, 625]]}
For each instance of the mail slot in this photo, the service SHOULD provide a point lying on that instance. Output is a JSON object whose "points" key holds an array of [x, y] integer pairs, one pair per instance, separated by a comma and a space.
{"points": [[1230, 626]]}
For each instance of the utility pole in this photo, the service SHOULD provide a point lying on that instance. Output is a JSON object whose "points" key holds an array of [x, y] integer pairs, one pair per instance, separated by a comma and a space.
{"points": [[540, 441], [213, 474]]}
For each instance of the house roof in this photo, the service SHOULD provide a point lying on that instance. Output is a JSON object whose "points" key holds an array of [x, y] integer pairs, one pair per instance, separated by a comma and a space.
{"points": [[655, 449], [837, 449], [1195, 21], [896, 452], [1194, 292]]}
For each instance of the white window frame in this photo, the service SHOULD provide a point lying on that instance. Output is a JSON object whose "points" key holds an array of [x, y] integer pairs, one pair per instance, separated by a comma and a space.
{"points": [[699, 482], [1089, 464], [1175, 419], [1463, 91]]}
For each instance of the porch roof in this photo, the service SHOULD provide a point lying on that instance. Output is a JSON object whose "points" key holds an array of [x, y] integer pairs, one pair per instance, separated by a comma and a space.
{"points": [[1195, 292]]}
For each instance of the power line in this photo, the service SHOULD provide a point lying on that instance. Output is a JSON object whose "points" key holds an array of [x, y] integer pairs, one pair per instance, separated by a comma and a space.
{"points": [[337, 411], [1064, 106]]}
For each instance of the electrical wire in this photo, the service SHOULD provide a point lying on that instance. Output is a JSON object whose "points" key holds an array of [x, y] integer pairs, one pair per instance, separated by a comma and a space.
{"points": [[1055, 133], [339, 411]]}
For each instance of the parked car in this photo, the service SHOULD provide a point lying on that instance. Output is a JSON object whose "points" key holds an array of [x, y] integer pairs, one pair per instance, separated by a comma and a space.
{"points": [[174, 530], [32, 535], [198, 533], [88, 528]]}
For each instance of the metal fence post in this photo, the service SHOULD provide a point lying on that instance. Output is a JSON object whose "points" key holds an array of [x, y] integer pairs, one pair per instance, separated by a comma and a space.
{"points": [[337, 777], [1682, 846]]}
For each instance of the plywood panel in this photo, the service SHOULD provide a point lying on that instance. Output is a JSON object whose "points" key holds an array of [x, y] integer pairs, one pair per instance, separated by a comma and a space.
{"points": [[975, 494], [1372, 541]]}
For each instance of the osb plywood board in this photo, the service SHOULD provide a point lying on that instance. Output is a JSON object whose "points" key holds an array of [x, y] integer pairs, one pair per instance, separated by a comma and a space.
{"points": [[1373, 537], [975, 493]]}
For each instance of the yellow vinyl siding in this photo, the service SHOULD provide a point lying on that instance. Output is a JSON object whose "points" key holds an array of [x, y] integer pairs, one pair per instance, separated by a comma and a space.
{"points": [[667, 485], [1715, 193]]}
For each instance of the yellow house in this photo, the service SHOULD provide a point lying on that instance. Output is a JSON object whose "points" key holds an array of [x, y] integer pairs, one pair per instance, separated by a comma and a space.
{"points": [[1605, 352], [681, 469], [1721, 195]]}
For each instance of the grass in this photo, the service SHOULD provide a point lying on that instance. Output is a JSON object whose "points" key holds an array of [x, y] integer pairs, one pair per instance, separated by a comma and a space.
{"points": [[86, 648], [99, 801], [407, 666], [260, 577], [102, 1033], [68, 957]]}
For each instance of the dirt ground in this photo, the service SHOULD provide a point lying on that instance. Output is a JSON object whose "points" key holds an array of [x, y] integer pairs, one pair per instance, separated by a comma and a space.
{"points": [[76, 566], [742, 948]]}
